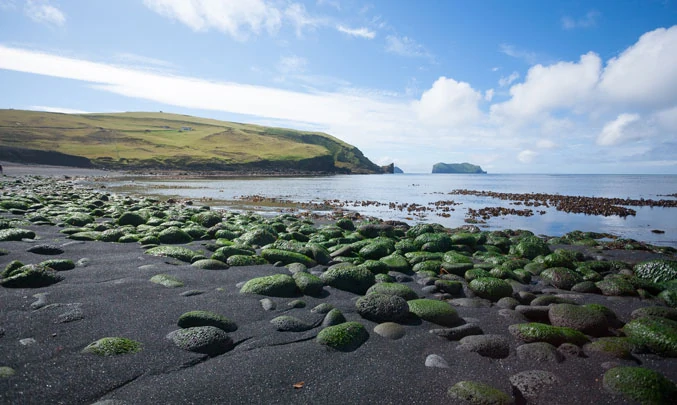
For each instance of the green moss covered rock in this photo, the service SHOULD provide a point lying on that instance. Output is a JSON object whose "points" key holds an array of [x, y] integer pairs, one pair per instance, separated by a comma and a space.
{"points": [[166, 280], [30, 276], [345, 337], [397, 289], [59, 264], [176, 252], [655, 334], [616, 286], [657, 270], [174, 235], [529, 247], [349, 278], [619, 347], [15, 234], [587, 319], [490, 288], [210, 264], [640, 384], [206, 218], [435, 311], [276, 285], [112, 346], [540, 332], [478, 393], [396, 262], [308, 284], [287, 257], [561, 277], [132, 218]]}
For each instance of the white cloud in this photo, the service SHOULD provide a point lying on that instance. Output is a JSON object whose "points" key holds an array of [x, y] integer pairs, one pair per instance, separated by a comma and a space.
{"points": [[235, 18], [62, 110], [300, 18], [42, 12], [645, 74], [405, 46], [561, 85], [512, 51], [357, 32], [489, 95], [587, 21], [126, 57], [546, 144], [622, 129], [527, 156], [292, 64], [449, 102], [507, 81]]}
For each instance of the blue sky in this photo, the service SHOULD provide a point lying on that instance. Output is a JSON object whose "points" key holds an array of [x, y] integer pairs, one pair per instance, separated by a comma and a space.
{"points": [[514, 86]]}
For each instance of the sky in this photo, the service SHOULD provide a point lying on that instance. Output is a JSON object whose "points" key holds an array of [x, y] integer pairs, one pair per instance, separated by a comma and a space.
{"points": [[516, 86]]}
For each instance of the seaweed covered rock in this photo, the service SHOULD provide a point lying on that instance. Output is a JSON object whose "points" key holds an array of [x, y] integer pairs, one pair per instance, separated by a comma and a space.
{"points": [[478, 393], [587, 319], [210, 264], [276, 285], [176, 252], [664, 312], [349, 278], [439, 312], [132, 218], [490, 288], [206, 318], [206, 218], [540, 332], [174, 235], [618, 347], [166, 280], [287, 257], [286, 323], [382, 308], [308, 284], [396, 262], [529, 247], [112, 346], [561, 277], [345, 337], [245, 260], [256, 237], [208, 340], [655, 334], [640, 384], [59, 264], [15, 234], [397, 289], [616, 286], [657, 270], [30, 276]]}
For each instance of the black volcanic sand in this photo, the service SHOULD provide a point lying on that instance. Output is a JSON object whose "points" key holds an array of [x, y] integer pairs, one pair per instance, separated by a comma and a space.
{"points": [[115, 298]]}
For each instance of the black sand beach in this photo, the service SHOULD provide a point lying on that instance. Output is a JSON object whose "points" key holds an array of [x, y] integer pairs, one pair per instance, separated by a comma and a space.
{"points": [[44, 330]]}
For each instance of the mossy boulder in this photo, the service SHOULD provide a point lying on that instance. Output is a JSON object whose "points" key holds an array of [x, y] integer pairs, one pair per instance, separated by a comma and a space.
{"points": [[435, 311], [663, 312], [587, 319], [245, 260], [396, 262], [561, 277], [166, 280], [30, 276], [176, 252], [276, 285], [15, 234], [206, 218], [224, 252], [654, 334], [59, 264], [206, 318], [79, 219], [349, 278], [540, 332], [174, 235], [478, 393], [669, 297], [455, 257], [375, 266], [208, 340], [287, 257], [640, 384], [618, 347], [132, 218], [257, 237], [529, 247], [209, 264], [345, 337], [382, 308], [376, 250], [452, 287], [308, 284], [112, 346], [657, 270], [490, 288], [397, 289], [375, 230], [616, 286]]}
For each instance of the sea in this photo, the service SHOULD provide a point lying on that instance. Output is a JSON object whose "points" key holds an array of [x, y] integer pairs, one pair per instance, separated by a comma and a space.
{"points": [[388, 197]]}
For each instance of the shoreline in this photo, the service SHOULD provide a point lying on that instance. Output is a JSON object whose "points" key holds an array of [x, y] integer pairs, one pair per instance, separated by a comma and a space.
{"points": [[275, 350]]}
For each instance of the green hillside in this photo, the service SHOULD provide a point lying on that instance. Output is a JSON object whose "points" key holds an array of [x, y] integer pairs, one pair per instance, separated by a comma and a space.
{"points": [[141, 140]]}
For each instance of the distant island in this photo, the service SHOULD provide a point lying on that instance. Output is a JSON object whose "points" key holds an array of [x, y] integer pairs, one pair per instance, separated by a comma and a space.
{"points": [[164, 142], [464, 168], [397, 170]]}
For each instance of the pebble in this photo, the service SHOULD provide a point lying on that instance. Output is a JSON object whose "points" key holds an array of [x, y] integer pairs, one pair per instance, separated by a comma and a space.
{"points": [[434, 360], [390, 330]]}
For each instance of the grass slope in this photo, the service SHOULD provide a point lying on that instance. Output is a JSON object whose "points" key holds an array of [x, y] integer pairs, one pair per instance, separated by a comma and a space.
{"points": [[161, 140]]}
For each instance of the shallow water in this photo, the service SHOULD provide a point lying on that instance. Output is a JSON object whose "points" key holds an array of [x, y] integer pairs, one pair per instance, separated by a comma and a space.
{"points": [[423, 189]]}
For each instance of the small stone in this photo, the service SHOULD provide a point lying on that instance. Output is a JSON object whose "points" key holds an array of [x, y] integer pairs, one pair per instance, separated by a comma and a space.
{"points": [[208, 340], [494, 346], [528, 385], [458, 332], [390, 330], [286, 323], [333, 317], [541, 352], [268, 304], [27, 341], [434, 360], [45, 250]]}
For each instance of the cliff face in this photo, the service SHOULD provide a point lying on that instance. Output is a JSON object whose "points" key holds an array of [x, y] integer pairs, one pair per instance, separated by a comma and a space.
{"points": [[464, 168], [162, 141]]}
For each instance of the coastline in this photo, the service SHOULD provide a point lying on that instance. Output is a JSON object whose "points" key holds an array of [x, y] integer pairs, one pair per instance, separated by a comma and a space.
{"points": [[110, 293]]}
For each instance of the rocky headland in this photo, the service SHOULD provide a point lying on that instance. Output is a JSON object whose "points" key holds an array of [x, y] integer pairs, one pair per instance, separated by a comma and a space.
{"points": [[116, 299]]}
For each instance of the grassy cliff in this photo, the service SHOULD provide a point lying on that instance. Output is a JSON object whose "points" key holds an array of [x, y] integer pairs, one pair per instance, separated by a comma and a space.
{"points": [[163, 141]]}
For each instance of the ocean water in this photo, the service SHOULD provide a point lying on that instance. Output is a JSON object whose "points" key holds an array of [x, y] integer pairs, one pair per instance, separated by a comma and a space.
{"points": [[425, 189]]}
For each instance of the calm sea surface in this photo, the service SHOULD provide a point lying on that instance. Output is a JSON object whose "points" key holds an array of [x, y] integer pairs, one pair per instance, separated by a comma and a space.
{"points": [[424, 189]]}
